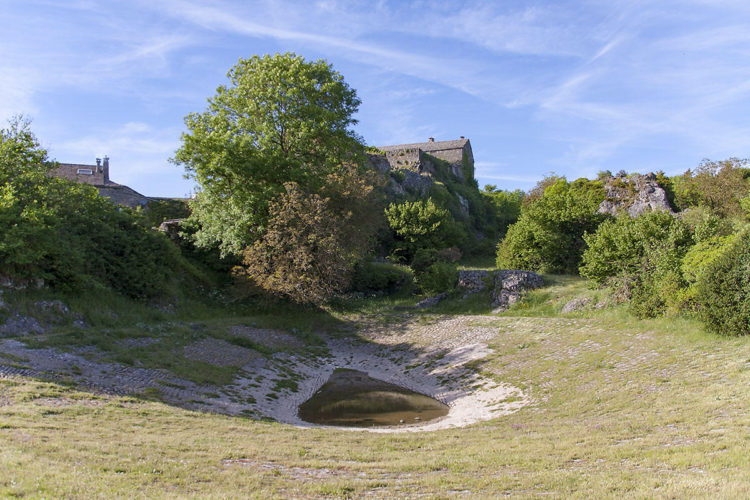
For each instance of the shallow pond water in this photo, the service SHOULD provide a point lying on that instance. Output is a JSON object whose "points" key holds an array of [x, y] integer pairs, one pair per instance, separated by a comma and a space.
{"points": [[352, 398]]}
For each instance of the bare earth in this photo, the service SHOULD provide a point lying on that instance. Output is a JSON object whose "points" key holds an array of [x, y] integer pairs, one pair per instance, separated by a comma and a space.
{"points": [[429, 357]]}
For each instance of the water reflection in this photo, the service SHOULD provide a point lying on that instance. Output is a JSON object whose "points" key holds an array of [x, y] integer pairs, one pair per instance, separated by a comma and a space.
{"points": [[354, 399]]}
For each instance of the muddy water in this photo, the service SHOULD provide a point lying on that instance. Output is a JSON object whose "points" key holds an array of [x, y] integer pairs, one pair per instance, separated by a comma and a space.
{"points": [[354, 399]]}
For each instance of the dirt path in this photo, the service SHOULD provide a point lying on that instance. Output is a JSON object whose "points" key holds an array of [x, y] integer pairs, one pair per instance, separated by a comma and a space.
{"points": [[430, 358]]}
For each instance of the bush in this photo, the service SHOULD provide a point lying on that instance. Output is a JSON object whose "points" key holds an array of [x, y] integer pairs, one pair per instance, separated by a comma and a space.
{"points": [[619, 246], [380, 277], [66, 234], [548, 236], [420, 225], [723, 290], [438, 277], [718, 185], [505, 207], [642, 258]]}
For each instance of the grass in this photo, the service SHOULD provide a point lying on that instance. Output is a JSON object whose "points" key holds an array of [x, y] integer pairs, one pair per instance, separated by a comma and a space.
{"points": [[621, 407]]}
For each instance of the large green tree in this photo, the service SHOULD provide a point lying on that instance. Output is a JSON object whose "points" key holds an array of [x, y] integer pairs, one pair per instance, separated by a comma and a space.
{"points": [[281, 119]]}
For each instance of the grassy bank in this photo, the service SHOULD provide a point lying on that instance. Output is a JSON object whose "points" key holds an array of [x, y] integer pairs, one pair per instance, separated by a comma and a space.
{"points": [[621, 407]]}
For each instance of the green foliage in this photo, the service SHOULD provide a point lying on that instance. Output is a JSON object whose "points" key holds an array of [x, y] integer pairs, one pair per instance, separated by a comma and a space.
{"points": [[438, 277], [66, 234], [667, 184], [313, 240], [703, 254], [420, 225], [505, 207], [281, 119], [380, 277], [617, 248], [548, 236], [718, 185], [723, 289], [157, 211], [641, 257]]}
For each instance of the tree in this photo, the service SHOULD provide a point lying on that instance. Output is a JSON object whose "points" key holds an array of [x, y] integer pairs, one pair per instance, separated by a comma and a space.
{"points": [[718, 185], [281, 119], [314, 240], [548, 236]]}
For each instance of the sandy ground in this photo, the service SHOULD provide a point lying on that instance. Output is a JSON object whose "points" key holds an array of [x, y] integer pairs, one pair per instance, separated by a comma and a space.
{"points": [[430, 358]]}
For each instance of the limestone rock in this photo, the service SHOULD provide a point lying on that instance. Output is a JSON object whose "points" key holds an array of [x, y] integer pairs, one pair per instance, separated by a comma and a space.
{"points": [[510, 286], [431, 301], [20, 325], [473, 281], [635, 195], [463, 205], [171, 228], [55, 306], [577, 304]]}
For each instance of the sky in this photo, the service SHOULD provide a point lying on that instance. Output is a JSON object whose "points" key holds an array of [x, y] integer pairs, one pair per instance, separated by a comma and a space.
{"points": [[570, 87]]}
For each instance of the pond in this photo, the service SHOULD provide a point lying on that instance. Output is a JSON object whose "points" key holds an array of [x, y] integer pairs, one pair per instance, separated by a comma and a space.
{"points": [[352, 398]]}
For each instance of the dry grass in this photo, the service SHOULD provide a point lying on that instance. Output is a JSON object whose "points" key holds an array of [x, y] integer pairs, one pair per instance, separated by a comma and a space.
{"points": [[621, 408]]}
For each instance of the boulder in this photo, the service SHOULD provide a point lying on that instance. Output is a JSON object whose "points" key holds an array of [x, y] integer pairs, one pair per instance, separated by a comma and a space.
{"points": [[577, 304], [472, 280], [510, 286], [431, 301], [171, 228], [20, 325], [54, 306]]}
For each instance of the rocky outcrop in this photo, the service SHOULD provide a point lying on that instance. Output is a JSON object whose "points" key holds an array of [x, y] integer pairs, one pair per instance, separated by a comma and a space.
{"points": [[20, 325], [171, 228], [635, 195], [577, 304], [473, 281], [405, 176], [510, 286]]}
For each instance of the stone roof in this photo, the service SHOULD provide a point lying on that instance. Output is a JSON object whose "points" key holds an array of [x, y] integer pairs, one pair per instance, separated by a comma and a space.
{"points": [[429, 146]]}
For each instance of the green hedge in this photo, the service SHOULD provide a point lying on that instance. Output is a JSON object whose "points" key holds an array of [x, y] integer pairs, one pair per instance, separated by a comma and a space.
{"points": [[723, 290]]}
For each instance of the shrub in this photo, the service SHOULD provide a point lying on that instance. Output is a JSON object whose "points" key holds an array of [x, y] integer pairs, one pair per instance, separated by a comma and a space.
{"points": [[718, 185], [380, 277], [548, 236], [505, 207], [723, 290], [618, 247], [641, 257], [438, 277], [420, 225], [66, 234]]}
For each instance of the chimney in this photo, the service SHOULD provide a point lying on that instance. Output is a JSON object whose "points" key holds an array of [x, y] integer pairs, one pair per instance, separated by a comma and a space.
{"points": [[98, 162], [462, 137], [106, 168], [432, 139]]}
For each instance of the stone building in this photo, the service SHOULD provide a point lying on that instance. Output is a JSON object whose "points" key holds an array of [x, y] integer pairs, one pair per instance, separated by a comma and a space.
{"points": [[98, 176], [457, 153]]}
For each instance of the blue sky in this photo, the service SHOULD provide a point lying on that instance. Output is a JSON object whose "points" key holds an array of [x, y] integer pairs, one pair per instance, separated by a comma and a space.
{"points": [[570, 87]]}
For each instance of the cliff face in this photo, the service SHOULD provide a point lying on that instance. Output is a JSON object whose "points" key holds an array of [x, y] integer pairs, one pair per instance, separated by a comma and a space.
{"points": [[634, 195]]}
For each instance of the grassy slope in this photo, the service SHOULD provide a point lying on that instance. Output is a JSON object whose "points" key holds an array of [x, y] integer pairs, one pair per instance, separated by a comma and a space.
{"points": [[622, 407]]}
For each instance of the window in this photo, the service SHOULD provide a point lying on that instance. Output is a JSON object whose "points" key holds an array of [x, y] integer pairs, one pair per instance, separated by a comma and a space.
{"points": [[85, 171]]}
